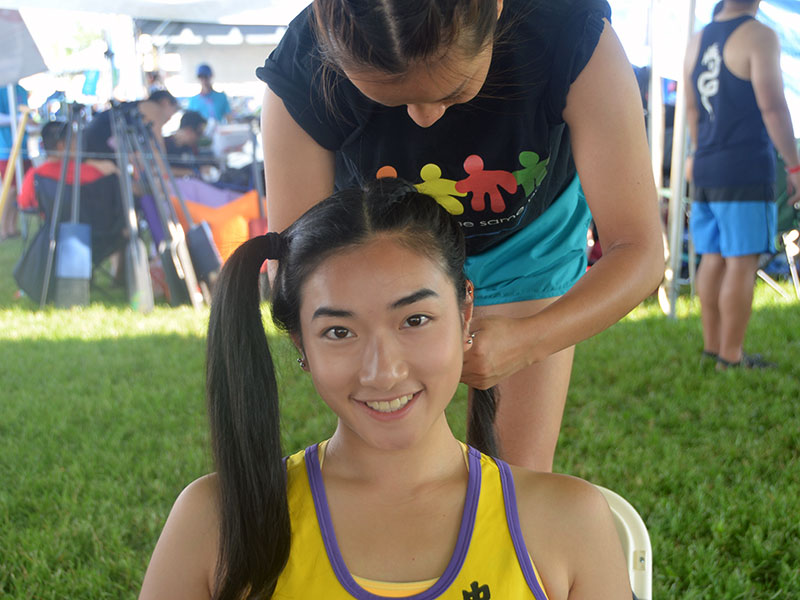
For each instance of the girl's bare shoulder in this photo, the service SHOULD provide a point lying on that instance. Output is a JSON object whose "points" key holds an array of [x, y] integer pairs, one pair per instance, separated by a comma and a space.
{"points": [[196, 515], [570, 535], [562, 500], [183, 564]]}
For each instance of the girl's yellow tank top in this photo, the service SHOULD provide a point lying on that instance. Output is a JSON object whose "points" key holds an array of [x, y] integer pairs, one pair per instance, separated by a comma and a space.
{"points": [[490, 559]]}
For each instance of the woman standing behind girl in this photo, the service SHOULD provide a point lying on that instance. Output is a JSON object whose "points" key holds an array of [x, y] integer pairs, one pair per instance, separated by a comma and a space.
{"points": [[371, 289], [493, 107]]}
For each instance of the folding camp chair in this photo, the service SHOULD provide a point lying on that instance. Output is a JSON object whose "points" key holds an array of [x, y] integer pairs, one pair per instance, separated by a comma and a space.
{"points": [[100, 207], [30, 220], [635, 543], [788, 241]]}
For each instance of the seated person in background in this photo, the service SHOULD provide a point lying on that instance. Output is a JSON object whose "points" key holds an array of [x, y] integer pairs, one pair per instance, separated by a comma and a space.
{"points": [[183, 151], [157, 109], [54, 139]]}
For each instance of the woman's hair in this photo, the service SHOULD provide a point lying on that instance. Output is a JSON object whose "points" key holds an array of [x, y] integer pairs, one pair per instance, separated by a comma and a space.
{"points": [[240, 380], [393, 35]]}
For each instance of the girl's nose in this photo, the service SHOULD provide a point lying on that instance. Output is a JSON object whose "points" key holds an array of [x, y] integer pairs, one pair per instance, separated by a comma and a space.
{"points": [[383, 364]]}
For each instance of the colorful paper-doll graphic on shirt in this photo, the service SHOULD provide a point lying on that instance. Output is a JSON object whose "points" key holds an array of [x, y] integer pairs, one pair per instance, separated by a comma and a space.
{"points": [[484, 183], [533, 173], [479, 183], [442, 190]]}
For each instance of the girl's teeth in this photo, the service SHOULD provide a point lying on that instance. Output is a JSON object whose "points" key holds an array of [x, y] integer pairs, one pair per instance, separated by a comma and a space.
{"points": [[390, 406]]}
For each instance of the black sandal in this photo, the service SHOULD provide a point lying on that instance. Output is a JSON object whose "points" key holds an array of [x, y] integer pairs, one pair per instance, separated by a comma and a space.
{"points": [[748, 361]]}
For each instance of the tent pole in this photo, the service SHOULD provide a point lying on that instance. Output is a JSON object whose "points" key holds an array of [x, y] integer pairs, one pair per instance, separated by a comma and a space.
{"points": [[657, 128], [12, 105], [655, 108], [13, 159], [678, 179]]}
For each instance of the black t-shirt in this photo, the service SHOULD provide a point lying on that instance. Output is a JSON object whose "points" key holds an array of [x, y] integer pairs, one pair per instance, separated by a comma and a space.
{"points": [[98, 134], [498, 161], [178, 155], [184, 155]]}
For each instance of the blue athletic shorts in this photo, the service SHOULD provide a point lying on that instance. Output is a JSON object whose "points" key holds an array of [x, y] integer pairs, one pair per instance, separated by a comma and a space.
{"points": [[543, 260], [735, 220]]}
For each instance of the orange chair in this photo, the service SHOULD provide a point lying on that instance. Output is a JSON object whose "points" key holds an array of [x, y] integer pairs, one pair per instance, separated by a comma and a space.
{"points": [[229, 223]]}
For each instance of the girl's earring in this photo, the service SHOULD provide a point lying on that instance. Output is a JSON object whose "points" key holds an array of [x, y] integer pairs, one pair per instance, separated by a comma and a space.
{"points": [[302, 362]]}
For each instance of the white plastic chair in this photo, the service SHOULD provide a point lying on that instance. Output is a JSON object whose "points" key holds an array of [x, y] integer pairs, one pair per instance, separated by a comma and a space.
{"points": [[635, 543]]}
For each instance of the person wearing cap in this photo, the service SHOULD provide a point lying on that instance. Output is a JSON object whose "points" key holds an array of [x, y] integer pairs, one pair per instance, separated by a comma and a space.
{"points": [[210, 103]]}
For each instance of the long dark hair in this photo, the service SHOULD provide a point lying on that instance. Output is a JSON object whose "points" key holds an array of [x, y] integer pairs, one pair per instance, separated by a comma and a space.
{"points": [[393, 35], [241, 387]]}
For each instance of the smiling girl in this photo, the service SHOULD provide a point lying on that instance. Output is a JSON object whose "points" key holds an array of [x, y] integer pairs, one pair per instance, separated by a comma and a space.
{"points": [[370, 286]]}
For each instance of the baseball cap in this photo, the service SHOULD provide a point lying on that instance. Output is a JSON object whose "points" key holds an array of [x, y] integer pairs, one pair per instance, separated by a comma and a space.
{"points": [[204, 71]]}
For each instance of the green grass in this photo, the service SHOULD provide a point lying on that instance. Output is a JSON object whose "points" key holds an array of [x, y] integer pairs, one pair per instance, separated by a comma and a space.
{"points": [[102, 423]]}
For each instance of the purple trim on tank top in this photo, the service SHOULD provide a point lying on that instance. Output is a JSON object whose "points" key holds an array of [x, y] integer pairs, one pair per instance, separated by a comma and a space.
{"points": [[512, 517], [332, 547]]}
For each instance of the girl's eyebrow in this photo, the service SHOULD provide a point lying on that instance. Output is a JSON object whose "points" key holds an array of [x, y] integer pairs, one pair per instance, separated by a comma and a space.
{"points": [[412, 298], [326, 311]]}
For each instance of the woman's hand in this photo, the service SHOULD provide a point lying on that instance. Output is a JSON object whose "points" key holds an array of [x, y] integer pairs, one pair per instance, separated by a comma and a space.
{"points": [[500, 348], [793, 187]]}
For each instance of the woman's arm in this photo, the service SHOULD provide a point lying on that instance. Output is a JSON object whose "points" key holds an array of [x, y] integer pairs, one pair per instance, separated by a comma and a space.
{"points": [[606, 124], [604, 115], [299, 172], [184, 561]]}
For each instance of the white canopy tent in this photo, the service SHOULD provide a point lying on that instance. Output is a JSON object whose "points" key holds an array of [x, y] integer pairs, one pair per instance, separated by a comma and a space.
{"points": [[250, 12], [20, 58]]}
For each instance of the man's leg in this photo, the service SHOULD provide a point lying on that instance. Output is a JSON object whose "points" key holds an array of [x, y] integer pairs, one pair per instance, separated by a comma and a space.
{"points": [[735, 304], [531, 401], [708, 283]]}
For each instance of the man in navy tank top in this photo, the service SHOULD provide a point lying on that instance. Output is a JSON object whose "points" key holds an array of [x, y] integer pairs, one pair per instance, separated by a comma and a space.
{"points": [[738, 116]]}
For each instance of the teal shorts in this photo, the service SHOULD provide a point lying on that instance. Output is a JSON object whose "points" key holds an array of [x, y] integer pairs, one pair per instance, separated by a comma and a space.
{"points": [[543, 260]]}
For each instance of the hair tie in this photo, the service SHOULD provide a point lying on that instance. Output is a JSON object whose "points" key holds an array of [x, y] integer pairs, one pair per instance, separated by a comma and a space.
{"points": [[401, 189], [272, 245]]}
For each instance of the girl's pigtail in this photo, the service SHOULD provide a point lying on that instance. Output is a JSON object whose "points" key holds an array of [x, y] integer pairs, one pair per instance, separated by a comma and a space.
{"points": [[243, 411], [480, 424]]}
